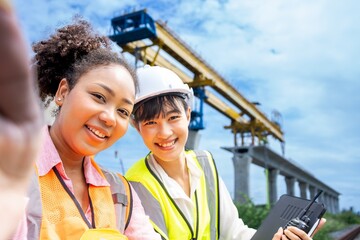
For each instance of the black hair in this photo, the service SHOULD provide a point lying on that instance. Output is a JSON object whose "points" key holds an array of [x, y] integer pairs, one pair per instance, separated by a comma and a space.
{"points": [[157, 106]]}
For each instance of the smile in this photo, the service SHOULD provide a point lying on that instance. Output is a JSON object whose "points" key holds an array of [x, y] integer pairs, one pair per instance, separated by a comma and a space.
{"points": [[166, 144], [96, 132]]}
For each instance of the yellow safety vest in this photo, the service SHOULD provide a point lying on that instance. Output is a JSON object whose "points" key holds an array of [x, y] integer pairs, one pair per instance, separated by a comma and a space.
{"points": [[165, 215], [53, 213]]}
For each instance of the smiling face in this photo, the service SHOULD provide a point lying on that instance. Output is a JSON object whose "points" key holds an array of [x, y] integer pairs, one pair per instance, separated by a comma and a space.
{"points": [[166, 134], [95, 113]]}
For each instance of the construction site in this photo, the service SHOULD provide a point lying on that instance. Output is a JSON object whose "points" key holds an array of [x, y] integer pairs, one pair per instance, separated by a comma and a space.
{"points": [[153, 42]]}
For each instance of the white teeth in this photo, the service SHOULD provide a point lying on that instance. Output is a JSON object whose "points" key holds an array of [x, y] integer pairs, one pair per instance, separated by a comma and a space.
{"points": [[167, 144], [96, 132]]}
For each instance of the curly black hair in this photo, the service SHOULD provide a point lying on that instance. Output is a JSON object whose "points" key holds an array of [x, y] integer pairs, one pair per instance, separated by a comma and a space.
{"points": [[69, 53]]}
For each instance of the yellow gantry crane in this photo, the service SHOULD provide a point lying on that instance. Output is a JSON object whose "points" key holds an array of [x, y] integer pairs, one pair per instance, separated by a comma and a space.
{"points": [[152, 42]]}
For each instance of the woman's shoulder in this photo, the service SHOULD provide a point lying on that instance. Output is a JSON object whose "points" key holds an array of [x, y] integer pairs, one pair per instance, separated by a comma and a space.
{"points": [[137, 170]]}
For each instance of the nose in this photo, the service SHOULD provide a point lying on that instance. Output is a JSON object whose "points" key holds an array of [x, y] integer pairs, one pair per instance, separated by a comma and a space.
{"points": [[108, 117], [164, 131]]}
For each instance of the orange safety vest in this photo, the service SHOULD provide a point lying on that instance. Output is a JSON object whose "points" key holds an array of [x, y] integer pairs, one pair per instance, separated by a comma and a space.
{"points": [[53, 214]]}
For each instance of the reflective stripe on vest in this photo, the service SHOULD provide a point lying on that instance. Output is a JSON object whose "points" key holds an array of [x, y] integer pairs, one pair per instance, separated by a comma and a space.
{"points": [[208, 165], [121, 197], [163, 211]]}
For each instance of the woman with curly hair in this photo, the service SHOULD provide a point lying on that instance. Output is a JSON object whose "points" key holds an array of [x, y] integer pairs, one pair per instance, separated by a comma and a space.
{"points": [[72, 197]]}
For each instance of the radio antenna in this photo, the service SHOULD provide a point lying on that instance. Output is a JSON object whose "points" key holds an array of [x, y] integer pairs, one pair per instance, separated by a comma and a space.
{"points": [[302, 213]]}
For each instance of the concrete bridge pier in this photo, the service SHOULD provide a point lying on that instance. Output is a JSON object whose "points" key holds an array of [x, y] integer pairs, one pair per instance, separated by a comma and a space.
{"points": [[336, 205], [331, 202], [290, 185], [193, 139], [326, 199], [272, 180], [303, 189], [242, 177], [312, 191]]}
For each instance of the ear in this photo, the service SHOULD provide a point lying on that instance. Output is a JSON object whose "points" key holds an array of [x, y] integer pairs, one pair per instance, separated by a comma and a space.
{"points": [[188, 114], [62, 91]]}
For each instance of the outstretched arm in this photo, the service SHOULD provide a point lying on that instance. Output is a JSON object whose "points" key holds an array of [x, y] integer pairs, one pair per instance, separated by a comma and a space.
{"points": [[20, 121]]}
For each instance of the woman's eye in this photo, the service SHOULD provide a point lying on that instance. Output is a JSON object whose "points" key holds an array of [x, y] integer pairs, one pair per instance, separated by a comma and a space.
{"points": [[124, 112], [149, 123], [99, 96], [174, 117]]}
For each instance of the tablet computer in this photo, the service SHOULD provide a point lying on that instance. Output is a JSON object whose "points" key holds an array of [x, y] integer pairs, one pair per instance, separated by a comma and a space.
{"points": [[285, 209]]}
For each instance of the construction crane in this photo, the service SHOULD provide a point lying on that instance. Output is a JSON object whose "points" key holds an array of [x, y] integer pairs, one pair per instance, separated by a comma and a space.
{"points": [[153, 43]]}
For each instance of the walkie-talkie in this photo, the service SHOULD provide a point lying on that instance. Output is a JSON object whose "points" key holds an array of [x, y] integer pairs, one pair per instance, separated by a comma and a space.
{"points": [[291, 211], [302, 220]]}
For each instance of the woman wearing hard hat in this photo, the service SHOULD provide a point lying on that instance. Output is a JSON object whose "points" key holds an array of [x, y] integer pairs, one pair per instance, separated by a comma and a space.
{"points": [[180, 189]]}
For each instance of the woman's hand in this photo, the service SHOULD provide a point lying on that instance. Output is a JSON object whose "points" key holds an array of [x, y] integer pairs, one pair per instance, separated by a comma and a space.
{"points": [[294, 233], [20, 121]]}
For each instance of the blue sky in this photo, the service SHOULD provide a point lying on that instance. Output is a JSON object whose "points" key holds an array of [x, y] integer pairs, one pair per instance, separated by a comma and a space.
{"points": [[300, 57]]}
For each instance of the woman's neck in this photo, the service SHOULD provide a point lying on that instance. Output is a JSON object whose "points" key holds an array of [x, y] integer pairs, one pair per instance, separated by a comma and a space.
{"points": [[178, 171], [70, 160]]}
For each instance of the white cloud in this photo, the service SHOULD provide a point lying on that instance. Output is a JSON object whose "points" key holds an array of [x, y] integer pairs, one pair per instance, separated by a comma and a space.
{"points": [[300, 57]]}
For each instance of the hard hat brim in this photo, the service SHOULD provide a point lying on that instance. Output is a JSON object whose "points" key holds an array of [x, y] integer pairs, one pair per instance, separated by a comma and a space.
{"points": [[182, 94], [187, 92]]}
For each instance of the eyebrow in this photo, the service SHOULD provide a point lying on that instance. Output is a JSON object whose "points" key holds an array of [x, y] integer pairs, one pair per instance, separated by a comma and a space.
{"points": [[172, 112], [106, 88], [112, 93]]}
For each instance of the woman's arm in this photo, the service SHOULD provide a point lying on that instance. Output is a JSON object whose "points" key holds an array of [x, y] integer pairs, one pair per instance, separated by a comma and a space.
{"points": [[139, 227], [231, 226], [20, 121]]}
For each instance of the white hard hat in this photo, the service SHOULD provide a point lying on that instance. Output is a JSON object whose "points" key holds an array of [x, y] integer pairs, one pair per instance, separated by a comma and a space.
{"points": [[155, 80]]}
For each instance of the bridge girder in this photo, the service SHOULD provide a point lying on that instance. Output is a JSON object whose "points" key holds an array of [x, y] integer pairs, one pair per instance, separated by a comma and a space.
{"points": [[245, 116]]}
